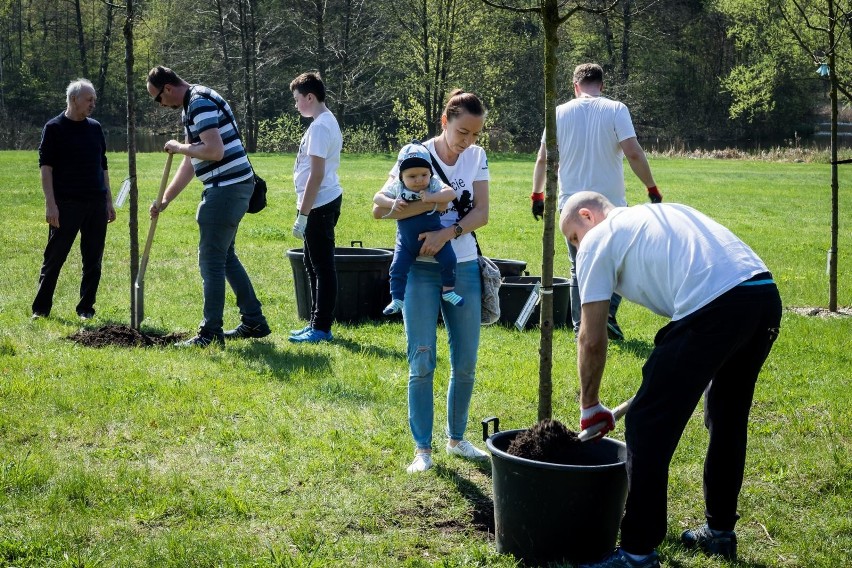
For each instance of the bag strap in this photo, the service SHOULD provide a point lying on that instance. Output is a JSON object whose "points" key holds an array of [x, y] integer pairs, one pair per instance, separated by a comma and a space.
{"points": [[437, 167], [229, 116]]}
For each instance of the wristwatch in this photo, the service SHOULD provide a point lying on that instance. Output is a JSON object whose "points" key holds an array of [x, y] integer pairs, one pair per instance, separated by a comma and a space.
{"points": [[457, 229]]}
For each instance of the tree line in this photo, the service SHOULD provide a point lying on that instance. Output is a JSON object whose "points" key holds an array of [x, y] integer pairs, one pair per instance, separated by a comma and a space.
{"points": [[690, 70]]}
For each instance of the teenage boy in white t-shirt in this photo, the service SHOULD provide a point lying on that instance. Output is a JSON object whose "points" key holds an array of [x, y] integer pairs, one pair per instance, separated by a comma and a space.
{"points": [[318, 200]]}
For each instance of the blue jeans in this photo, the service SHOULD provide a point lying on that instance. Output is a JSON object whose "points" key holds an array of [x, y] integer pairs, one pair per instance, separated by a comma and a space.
{"points": [[614, 302], [420, 313], [219, 215]]}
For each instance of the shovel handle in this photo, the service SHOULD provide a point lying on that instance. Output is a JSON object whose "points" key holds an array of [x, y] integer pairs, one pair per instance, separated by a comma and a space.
{"points": [[143, 263], [617, 413]]}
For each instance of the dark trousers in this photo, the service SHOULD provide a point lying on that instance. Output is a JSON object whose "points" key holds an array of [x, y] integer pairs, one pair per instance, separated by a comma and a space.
{"points": [[319, 262], [407, 249], [89, 218], [718, 351]]}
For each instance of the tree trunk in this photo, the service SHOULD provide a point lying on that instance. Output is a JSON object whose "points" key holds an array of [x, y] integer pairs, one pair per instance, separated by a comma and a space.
{"points": [[81, 39], [133, 220], [624, 68], [428, 95], [832, 252], [226, 57], [550, 20], [319, 20], [102, 72]]}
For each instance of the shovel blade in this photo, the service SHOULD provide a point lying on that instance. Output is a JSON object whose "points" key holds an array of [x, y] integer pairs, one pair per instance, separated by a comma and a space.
{"points": [[138, 305]]}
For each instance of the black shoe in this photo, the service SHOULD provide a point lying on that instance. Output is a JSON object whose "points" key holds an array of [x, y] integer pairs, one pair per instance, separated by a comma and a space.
{"points": [[202, 340], [715, 543], [613, 331], [244, 331], [38, 316], [86, 315]]}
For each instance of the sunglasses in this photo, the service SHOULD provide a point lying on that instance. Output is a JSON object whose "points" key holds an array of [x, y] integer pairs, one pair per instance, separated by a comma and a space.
{"points": [[158, 99]]}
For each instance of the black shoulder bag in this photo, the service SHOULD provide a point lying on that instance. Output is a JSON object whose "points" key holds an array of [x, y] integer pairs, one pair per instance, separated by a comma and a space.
{"points": [[257, 202], [488, 271]]}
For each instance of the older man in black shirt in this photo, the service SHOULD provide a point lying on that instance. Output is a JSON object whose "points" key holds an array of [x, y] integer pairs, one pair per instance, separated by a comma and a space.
{"points": [[75, 181]]}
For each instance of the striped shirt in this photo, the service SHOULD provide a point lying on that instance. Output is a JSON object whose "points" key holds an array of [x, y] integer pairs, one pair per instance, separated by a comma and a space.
{"points": [[201, 113]]}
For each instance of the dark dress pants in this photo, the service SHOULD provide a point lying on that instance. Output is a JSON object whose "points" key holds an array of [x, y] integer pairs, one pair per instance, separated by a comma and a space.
{"points": [[89, 218], [717, 351]]}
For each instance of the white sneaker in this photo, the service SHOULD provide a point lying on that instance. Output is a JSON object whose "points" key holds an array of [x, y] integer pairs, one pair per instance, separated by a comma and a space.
{"points": [[421, 462], [467, 450]]}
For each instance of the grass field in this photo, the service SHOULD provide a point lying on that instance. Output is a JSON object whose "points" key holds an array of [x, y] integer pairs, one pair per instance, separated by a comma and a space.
{"points": [[269, 454]]}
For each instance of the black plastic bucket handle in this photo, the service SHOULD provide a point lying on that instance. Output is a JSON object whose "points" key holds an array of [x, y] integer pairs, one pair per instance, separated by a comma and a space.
{"points": [[485, 422]]}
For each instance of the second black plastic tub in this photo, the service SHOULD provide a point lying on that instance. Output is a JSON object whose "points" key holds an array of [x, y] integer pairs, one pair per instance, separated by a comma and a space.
{"points": [[545, 512], [515, 291], [362, 283]]}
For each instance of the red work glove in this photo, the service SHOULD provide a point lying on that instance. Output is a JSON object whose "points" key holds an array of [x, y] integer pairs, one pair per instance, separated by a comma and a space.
{"points": [[537, 205], [593, 415], [654, 195]]}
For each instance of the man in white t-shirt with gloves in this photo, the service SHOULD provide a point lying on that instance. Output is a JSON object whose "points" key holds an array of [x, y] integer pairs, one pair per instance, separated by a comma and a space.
{"points": [[725, 315], [594, 134]]}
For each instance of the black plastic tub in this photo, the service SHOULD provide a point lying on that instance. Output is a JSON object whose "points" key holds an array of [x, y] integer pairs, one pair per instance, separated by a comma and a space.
{"points": [[515, 291], [362, 283], [545, 512], [510, 267]]}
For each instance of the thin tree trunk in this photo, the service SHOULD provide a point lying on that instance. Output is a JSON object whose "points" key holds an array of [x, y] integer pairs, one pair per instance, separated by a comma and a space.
{"points": [[319, 19], [832, 252], [81, 40], [226, 57], [133, 220], [429, 108], [624, 68], [550, 20], [102, 73]]}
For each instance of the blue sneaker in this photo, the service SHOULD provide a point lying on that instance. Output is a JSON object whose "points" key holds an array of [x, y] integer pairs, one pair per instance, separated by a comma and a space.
{"points": [[312, 336], [304, 330], [620, 559]]}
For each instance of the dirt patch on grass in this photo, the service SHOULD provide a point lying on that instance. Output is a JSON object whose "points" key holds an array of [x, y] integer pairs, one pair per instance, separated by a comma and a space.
{"points": [[123, 336], [823, 313]]}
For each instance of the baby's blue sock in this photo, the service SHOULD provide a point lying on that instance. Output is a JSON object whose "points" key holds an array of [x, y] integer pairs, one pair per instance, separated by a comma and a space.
{"points": [[393, 308], [453, 298]]}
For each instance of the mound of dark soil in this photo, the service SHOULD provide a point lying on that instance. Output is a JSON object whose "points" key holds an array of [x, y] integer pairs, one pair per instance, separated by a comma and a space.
{"points": [[548, 441], [122, 336]]}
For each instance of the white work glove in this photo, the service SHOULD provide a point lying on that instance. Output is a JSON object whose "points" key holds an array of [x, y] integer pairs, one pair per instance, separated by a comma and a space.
{"points": [[299, 226]]}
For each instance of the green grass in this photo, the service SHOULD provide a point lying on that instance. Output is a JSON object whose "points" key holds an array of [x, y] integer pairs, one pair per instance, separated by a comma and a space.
{"points": [[269, 454]]}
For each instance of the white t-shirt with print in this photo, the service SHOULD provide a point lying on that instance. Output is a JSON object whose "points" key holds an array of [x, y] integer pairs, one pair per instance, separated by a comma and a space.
{"points": [[588, 133], [324, 140], [471, 166], [667, 257]]}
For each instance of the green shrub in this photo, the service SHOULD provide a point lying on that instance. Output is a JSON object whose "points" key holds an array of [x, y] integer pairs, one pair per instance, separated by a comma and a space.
{"points": [[281, 134], [364, 138]]}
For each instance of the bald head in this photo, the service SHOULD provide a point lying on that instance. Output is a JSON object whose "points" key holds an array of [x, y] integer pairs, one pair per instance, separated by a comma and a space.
{"points": [[581, 212]]}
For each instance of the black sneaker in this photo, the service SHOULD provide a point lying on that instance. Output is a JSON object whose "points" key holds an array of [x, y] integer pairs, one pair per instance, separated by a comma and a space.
{"points": [[613, 331], [202, 340], [38, 316], [715, 543], [85, 316], [244, 331]]}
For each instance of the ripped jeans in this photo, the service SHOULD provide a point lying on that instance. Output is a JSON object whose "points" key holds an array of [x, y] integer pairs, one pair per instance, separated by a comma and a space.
{"points": [[420, 313]]}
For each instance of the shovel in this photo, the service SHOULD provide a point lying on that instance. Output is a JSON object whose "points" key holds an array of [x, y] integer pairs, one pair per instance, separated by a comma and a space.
{"points": [[139, 285], [591, 432]]}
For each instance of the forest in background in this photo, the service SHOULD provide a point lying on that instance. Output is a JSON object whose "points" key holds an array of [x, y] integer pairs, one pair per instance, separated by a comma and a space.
{"points": [[691, 71]]}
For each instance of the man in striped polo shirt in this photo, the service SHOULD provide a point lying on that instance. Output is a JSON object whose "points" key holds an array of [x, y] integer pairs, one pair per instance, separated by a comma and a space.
{"points": [[214, 153]]}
